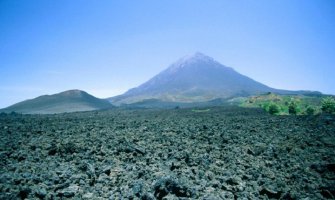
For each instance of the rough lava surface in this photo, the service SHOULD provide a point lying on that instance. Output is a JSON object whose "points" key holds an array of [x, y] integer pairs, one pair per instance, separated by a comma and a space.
{"points": [[214, 153]]}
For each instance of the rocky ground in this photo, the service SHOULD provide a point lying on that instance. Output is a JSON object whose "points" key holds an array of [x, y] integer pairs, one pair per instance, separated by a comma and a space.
{"points": [[221, 153]]}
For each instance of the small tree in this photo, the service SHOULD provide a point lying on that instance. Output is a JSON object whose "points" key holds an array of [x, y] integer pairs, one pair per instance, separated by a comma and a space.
{"points": [[310, 110], [273, 109], [292, 108], [328, 105]]}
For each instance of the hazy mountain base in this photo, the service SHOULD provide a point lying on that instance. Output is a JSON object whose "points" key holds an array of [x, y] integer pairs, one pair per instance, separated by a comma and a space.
{"points": [[302, 101], [156, 103], [218, 153]]}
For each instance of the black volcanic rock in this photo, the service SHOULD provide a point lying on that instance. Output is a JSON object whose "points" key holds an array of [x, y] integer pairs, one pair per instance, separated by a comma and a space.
{"points": [[194, 78], [68, 101], [188, 155]]}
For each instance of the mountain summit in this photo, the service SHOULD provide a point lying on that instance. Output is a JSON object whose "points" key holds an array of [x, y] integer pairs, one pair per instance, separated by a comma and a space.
{"points": [[194, 78]]}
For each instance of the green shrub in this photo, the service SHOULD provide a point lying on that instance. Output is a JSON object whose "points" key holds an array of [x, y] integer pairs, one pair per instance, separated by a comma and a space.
{"points": [[273, 109], [265, 106], [310, 110], [328, 105], [292, 108]]}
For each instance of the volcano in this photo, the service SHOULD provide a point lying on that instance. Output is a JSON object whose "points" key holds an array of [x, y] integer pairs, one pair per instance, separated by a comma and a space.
{"points": [[195, 78]]}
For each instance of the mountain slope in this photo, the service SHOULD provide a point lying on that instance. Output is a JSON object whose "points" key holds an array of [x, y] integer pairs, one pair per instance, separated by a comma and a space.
{"points": [[195, 78], [68, 101]]}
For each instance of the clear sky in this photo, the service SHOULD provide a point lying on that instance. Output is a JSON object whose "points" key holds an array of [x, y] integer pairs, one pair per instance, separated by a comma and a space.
{"points": [[107, 47]]}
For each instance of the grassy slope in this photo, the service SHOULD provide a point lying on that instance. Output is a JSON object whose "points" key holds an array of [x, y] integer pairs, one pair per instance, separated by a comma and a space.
{"points": [[283, 101]]}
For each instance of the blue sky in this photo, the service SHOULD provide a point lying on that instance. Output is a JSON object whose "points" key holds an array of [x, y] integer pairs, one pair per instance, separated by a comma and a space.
{"points": [[108, 47]]}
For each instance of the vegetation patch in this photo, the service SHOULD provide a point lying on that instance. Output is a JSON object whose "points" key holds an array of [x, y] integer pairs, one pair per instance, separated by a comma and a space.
{"points": [[291, 104], [328, 105]]}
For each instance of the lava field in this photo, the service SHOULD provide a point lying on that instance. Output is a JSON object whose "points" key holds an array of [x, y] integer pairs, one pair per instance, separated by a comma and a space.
{"points": [[212, 153]]}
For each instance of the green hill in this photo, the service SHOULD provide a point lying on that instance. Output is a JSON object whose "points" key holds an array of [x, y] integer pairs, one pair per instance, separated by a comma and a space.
{"points": [[68, 101]]}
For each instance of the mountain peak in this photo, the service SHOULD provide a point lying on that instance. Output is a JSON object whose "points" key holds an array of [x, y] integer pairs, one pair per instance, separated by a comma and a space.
{"points": [[73, 93], [199, 55], [196, 59]]}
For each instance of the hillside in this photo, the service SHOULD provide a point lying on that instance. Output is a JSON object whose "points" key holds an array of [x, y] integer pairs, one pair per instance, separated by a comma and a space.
{"points": [[303, 104], [68, 101]]}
